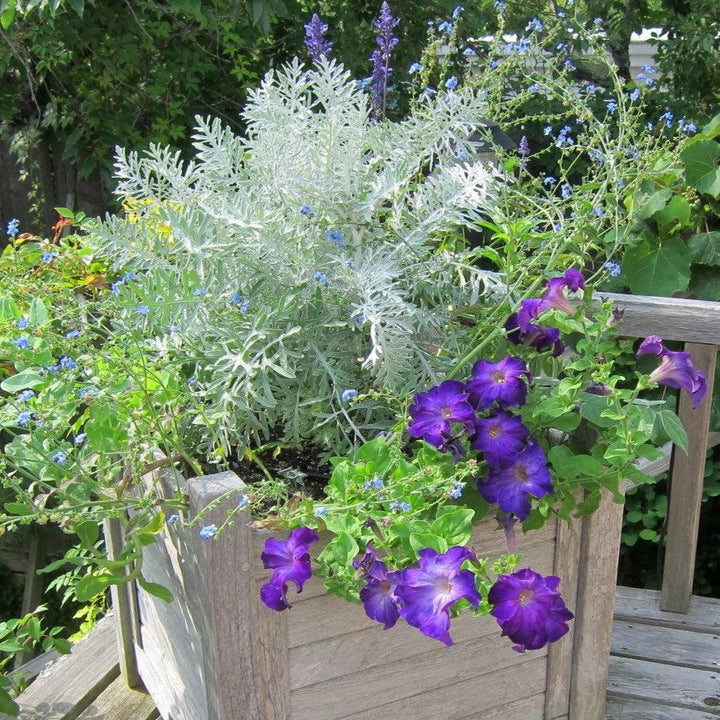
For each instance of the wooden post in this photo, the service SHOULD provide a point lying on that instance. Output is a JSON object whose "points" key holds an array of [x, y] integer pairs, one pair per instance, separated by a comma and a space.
{"points": [[124, 607], [599, 556], [686, 486], [245, 646]]}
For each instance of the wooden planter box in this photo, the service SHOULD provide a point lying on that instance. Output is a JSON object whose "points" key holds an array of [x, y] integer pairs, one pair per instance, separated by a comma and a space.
{"points": [[217, 653]]}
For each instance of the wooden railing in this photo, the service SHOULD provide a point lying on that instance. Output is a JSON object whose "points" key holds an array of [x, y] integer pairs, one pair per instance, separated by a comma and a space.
{"points": [[697, 324]]}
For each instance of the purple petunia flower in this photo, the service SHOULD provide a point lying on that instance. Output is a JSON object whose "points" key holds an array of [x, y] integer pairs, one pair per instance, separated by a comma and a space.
{"points": [[378, 594], [434, 411], [315, 40], [676, 369], [426, 592], [509, 487], [500, 438], [385, 24], [556, 294], [290, 561], [529, 609], [502, 383]]}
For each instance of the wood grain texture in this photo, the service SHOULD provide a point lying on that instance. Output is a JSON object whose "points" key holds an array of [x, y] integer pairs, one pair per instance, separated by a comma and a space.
{"points": [[119, 702], [457, 700], [26, 673], [560, 655], [667, 684], [594, 610], [695, 321], [244, 643], [686, 488], [626, 709], [527, 709], [636, 605], [666, 645], [70, 684]]}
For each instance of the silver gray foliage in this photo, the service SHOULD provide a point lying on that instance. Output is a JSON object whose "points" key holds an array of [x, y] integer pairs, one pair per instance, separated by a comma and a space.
{"points": [[375, 309]]}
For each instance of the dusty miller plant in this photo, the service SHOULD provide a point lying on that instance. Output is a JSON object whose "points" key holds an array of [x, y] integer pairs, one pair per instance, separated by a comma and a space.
{"points": [[308, 257]]}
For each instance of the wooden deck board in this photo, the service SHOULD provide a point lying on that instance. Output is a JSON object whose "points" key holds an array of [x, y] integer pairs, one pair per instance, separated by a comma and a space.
{"points": [[665, 664], [71, 683], [120, 702]]}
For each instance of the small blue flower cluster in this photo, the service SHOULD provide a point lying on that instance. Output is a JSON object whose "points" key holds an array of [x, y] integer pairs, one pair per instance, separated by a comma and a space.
{"points": [[13, 227], [115, 287]]}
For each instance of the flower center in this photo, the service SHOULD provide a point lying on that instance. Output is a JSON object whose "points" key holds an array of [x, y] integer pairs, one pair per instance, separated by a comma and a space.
{"points": [[525, 597], [521, 473], [446, 412], [498, 377], [444, 585], [494, 431]]}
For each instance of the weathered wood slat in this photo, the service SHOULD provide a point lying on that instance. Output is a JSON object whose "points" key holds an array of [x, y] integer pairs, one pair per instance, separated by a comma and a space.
{"points": [[623, 709], [120, 702], [686, 488], [32, 668], [666, 645], [695, 321], [560, 654], [528, 709], [70, 684], [668, 684], [635, 605], [455, 700], [352, 653], [599, 557]]}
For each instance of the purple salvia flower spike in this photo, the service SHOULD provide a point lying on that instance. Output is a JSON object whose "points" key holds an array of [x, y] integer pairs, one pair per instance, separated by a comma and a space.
{"points": [[385, 24], [523, 149], [427, 592], [315, 40], [290, 562], [529, 609], [510, 487]]}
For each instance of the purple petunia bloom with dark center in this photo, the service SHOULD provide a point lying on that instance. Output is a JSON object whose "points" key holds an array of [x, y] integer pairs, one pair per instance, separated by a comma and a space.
{"points": [[500, 438], [426, 592], [434, 412], [290, 561], [676, 369], [529, 609], [317, 46], [509, 487], [378, 594], [502, 383]]}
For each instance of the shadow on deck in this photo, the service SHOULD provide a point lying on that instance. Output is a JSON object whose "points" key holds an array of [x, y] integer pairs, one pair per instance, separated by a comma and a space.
{"points": [[85, 685], [664, 665]]}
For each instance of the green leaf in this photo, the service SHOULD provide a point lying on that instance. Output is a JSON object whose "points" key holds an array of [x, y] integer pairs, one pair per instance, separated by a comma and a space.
{"points": [[653, 270], [38, 314], [428, 540], [455, 526], [340, 551], [16, 508], [8, 309], [592, 408], [648, 205], [65, 212], [677, 210], [88, 532], [155, 589], [23, 380], [62, 645], [90, 585], [701, 166], [705, 283], [6, 18], [667, 422], [705, 248]]}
